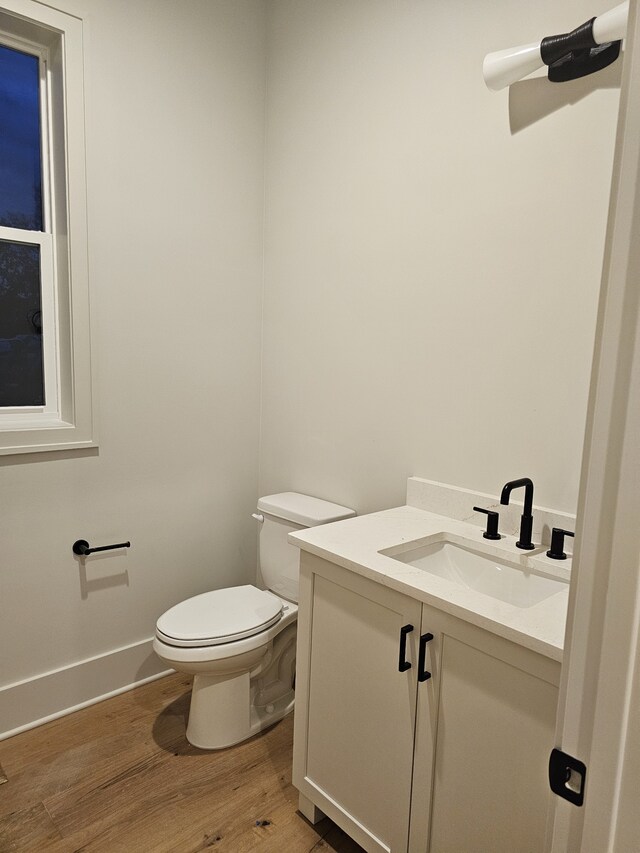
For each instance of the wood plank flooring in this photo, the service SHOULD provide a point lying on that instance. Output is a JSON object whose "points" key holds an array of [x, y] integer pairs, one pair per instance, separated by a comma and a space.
{"points": [[120, 777]]}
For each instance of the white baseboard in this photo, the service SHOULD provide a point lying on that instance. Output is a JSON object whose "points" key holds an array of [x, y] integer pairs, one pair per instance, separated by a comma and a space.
{"points": [[34, 701]]}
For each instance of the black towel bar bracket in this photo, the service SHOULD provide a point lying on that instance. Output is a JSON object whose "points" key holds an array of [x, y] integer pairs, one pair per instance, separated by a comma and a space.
{"points": [[82, 549]]}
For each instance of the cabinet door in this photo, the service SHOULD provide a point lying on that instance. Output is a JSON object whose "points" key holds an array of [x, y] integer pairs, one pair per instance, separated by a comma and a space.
{"points": [[494, 723], [355, 709]]}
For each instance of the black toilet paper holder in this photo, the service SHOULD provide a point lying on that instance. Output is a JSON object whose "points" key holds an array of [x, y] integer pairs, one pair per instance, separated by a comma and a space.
{"points": [[82, 549]]}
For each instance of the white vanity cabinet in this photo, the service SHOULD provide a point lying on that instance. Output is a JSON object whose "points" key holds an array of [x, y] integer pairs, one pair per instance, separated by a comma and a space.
{"points": [[454, 763]]}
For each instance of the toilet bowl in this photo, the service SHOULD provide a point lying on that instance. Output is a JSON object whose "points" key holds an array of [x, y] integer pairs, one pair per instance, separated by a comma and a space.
{"points": [[239, 643]]}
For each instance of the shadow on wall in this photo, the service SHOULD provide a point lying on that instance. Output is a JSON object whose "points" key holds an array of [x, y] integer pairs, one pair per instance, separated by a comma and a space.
{"points": [[96, 583], [532, 100], [48, 456]]}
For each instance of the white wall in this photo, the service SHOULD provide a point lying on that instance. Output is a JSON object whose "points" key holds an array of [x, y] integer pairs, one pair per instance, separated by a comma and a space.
{"points": [[433, 250], [175, 147], [433, 256]]}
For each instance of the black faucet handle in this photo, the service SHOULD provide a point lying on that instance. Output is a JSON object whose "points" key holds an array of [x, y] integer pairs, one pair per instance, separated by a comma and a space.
{"points": [[556, 552], [492, 522]]}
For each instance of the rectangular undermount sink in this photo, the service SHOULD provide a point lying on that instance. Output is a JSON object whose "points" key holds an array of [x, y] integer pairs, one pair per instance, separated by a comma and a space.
{"points": [[484, 573]]}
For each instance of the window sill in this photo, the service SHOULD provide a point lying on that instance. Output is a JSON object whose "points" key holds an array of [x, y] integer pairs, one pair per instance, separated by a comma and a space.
{"points": [[44, 433]]}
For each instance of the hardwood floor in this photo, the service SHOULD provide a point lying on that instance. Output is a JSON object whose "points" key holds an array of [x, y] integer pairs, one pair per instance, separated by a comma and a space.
{"points": [[120, 777]]}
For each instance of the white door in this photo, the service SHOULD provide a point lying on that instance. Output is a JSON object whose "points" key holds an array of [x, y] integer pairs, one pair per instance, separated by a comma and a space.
{"points": [[598, 719]]}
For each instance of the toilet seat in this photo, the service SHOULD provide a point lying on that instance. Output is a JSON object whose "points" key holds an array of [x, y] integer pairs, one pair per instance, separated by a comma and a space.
{"points": [[219, 617]]}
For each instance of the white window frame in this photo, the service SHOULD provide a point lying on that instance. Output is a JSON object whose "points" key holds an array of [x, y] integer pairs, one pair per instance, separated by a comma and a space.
{"points": [[67, 420]]}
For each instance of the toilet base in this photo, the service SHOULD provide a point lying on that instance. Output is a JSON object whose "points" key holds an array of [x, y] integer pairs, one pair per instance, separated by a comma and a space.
{"points": [[228, 708], [222, 715]]}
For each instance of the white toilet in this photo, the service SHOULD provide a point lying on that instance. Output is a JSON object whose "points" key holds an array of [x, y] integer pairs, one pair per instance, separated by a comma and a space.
{"points": [[240, 643]]}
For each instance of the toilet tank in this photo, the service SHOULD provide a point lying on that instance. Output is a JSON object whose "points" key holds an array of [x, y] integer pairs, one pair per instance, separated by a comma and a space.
{"points": [[280, 515]]}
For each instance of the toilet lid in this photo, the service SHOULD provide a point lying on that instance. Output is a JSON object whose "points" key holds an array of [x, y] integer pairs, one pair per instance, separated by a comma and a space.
{"points": [[221, 616]]}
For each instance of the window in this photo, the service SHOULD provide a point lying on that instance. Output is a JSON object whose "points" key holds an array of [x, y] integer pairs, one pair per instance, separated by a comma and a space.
{"points": [[45, 356], [21, 210]]}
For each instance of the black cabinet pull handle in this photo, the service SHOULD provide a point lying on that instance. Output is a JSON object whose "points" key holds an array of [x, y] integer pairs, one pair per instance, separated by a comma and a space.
{"points": [[423, 675], [404, 664]]}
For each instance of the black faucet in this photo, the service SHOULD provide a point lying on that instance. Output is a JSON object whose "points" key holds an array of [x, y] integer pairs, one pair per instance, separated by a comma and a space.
{"points": [[526, 519]]}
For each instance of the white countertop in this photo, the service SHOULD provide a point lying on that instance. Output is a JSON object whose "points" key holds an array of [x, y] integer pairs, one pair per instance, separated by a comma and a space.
{"points": [[356, 542]]}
